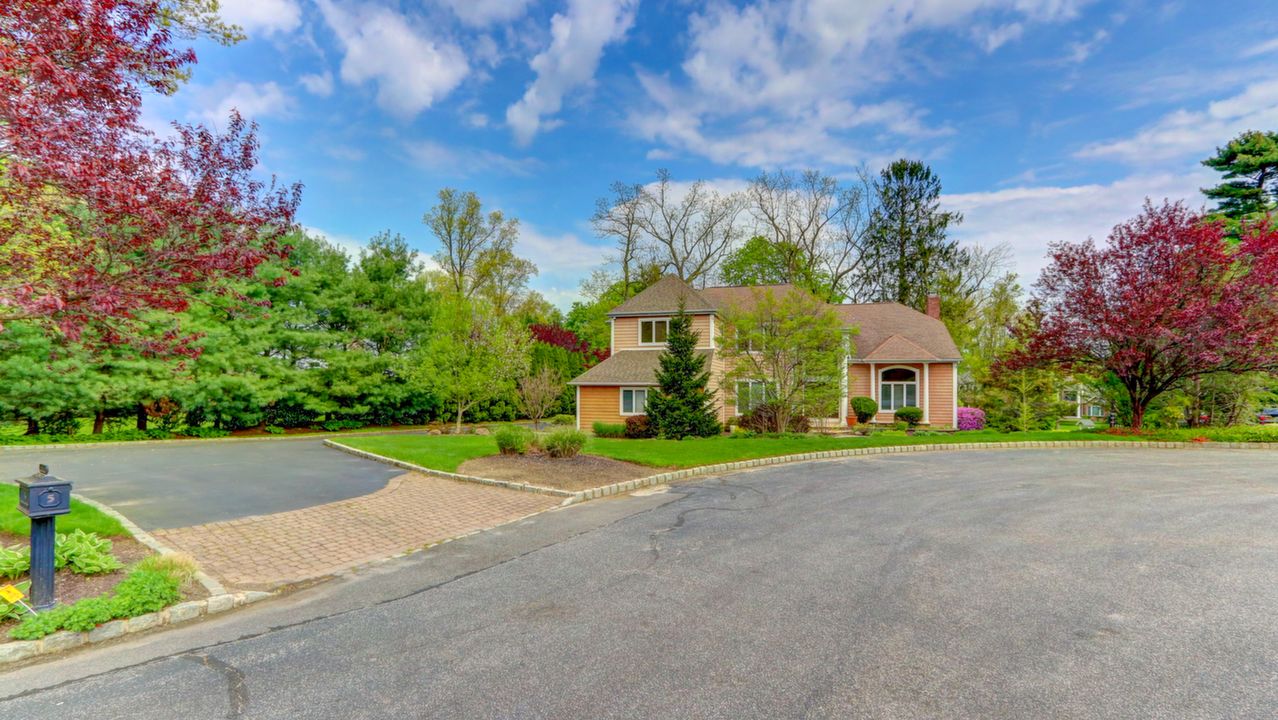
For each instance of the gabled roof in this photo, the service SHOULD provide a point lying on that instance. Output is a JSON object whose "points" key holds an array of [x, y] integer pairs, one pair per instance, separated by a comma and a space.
{"points": [[743, 296], [879, 322], [898, 348], [629, 367], [663, 296]]}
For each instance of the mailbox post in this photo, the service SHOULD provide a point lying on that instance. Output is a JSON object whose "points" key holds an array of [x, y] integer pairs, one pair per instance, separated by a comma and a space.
{"points": [[43, 497]]}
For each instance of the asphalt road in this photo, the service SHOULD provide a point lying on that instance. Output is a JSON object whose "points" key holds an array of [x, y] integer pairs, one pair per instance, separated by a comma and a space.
{"points": [[166, 485], [992, 584]]}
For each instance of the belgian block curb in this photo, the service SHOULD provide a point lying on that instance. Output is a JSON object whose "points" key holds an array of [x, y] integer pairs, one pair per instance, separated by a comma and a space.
{"points": [[18, 650], [571, 498]]}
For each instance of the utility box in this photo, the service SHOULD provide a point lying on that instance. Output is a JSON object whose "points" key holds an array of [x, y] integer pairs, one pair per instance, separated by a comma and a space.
{"points": [[43, 495]]}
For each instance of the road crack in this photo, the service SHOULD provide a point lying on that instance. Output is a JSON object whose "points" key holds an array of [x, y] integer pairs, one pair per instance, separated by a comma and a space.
{"points": [[236, 687]]}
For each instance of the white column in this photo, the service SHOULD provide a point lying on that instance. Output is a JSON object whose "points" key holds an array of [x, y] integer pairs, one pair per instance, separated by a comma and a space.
{"points": [[874, 389], [578, 407], [843, 392]]}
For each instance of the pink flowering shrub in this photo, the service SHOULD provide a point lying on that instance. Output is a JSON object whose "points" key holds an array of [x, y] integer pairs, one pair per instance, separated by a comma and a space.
{"points": [[970, 418]]}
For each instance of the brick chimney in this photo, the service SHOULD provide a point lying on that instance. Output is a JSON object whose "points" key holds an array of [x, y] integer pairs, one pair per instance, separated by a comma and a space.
{"points": [[934, 306]]}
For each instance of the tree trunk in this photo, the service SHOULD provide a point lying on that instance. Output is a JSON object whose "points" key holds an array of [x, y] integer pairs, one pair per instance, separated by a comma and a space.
{"points": [[99, 421], [460, 410], [1138, 413], [33, 426], [141, 415]]}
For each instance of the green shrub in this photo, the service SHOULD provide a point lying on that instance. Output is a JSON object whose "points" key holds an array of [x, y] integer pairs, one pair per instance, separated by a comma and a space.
{"points": [[513, 439], [864, 408], [14, 561], [563, 420], [144, 591], [609, 430], [909, 415], [206, 432], [338, 425], [274, 429], [563, 443], [85, 553], [766, 418], [90, 613], [638, 427]]}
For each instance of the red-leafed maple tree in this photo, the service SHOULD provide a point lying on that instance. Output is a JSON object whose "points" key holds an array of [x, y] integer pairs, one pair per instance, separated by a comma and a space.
{"points": [[568, 340], [100, 221], [1167, 298]]}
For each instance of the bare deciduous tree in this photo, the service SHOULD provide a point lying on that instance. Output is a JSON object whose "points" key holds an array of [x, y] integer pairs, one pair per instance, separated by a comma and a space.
{"points": [[817, 224], [539, 392], [617, 217], [690, 233]]}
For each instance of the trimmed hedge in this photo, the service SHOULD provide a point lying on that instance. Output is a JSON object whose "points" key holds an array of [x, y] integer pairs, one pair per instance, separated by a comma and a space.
{"points": [[909, 415], [609, 430], [864, 408]]}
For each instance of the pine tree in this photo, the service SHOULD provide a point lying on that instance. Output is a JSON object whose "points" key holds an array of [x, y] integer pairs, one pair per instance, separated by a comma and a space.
{"points": [[682, 406], [1249, 164]]}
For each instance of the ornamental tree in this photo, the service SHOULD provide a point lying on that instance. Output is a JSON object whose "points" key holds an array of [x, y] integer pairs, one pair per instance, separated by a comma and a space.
{"points": [[1168, 298], [101, 222]]}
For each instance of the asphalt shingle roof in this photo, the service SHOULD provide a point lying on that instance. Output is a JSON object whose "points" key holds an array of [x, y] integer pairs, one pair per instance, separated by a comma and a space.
{"points": [[628, 367]]}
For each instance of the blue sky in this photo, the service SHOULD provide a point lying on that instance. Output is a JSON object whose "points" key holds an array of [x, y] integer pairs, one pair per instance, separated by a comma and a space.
{"points": [[1046, 119]]}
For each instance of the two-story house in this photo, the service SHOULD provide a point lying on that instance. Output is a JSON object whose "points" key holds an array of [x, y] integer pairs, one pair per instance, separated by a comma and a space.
{"points": [[902, 357]]}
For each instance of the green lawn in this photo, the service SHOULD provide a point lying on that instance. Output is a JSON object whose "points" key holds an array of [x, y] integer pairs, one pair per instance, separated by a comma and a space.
{"points": [[82, 517], [446, 452]]}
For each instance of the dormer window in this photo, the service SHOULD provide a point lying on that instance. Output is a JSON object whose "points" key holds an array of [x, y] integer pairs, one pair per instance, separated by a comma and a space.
{"points": [[654, 332]]}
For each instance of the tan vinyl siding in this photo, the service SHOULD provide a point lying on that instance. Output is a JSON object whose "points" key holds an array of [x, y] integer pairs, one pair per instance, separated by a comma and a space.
{"points": [[599, 404], [626, 332], [941, 395], [859, 381]]}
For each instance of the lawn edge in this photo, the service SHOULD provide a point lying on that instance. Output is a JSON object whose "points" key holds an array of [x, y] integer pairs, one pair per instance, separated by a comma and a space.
{"points": [[522, 487], [189, 440]]}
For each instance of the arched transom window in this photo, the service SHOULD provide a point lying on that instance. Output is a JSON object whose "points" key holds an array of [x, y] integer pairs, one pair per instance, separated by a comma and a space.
{"points": [[898, 388]]}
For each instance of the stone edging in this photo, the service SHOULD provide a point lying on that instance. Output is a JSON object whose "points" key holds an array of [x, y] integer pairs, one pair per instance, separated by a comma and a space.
{"points": [[667, 477], [524, 487], [18, 650]]}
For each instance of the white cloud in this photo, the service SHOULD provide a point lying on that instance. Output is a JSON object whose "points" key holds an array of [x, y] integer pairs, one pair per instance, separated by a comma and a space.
{"points": [[482, 13], [1027, 219], [1080, 51], [477, 120], [464, 161], [1263, 48], [577, 42], [253, 101], [778, 82], [345, 153], [412, 70], [320, 84], [265, 16], [993, 38], [558, 256], [1184, 133]]}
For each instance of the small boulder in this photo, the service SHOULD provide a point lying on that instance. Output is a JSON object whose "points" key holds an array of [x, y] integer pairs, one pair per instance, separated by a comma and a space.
{"points": [[434, 432], [483, 431]]}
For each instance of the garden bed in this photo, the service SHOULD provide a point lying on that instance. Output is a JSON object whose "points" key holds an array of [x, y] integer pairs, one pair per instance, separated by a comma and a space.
{"points": [[583, 472]]}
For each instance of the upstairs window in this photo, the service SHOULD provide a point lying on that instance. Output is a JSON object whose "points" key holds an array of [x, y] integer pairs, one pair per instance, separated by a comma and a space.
{"points": [[653, 332]]}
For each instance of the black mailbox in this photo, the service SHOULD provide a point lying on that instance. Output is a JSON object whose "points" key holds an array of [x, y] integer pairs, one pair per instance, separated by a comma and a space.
{"points": [[43, 495]]}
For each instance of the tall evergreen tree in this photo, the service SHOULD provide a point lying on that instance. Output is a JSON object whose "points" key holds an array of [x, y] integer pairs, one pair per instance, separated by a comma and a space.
{"points": [[907, 250], [1249, 164], [682, 406]]}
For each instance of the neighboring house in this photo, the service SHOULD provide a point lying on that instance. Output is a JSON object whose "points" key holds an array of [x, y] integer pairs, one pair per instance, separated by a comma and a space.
{"points": [[902, 357], [1084, 402]]}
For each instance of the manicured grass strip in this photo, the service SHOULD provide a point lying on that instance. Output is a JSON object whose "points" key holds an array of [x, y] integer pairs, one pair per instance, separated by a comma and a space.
{"points": [[82, 517], [438, 452], [446, 452], [711, 451]]}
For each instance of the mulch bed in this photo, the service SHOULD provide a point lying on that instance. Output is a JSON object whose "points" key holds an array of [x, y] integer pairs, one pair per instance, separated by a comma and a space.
{"points": [[582, 472], [70, 587]]}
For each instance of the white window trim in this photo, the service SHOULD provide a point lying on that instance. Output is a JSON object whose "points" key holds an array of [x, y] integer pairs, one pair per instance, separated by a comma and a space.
{"points": [[915, 382], [621, 402], [736, 404], [639, 331]]}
